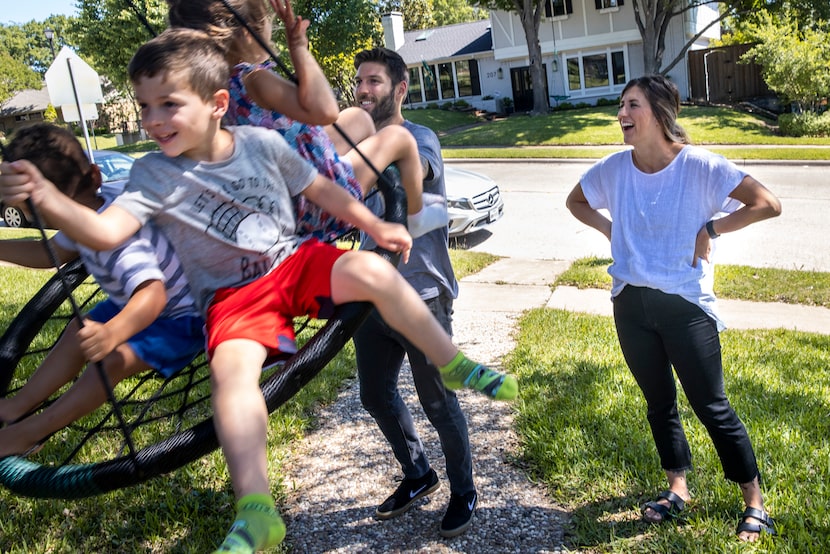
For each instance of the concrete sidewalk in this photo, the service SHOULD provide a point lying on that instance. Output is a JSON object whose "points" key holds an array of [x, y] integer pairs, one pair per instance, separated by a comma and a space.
{"points": [[512, 285]]}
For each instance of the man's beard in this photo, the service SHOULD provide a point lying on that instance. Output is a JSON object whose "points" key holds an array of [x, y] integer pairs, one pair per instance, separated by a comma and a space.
{"points": [[384, 109]]}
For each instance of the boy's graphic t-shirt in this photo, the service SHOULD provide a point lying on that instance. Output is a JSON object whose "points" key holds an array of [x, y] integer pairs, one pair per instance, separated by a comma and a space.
{"points": [[230, 222]]}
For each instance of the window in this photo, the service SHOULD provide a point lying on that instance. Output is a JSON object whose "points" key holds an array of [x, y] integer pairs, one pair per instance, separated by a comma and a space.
{"points": [[605, 4], [430, 83], [466, 77], [618, 67], [414, 86], [595, 69], [603, 70], [454, 79], [445, 77], [558, 8]]}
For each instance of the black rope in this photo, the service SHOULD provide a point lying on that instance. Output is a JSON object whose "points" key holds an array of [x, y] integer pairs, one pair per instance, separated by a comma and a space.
{"points": [[76, 312], [141, 17]]}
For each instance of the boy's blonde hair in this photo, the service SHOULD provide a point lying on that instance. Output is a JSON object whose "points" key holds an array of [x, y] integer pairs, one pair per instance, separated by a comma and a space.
{"points": [[57, 154], [186, 53]]}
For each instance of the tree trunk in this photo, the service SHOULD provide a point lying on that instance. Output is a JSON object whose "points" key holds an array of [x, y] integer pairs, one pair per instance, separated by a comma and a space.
{"points": [[530, 13]]}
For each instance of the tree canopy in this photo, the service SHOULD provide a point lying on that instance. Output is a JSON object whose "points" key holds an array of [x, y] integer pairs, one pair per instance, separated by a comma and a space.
{"points": [[25, 54], [795, 59], [107, 34]]}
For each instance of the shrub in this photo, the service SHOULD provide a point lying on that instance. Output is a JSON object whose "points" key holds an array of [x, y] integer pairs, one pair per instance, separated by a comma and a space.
{"points": [[461, 104], [446, 106], [583, 105], [432, 106], [608, 101], [805, 124]]}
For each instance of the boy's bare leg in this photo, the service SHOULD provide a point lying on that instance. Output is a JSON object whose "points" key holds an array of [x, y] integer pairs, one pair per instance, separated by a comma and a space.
{"points": [[240, 417], [365, 276], [239, 413], [87, 394], [59, 367], [356, 123]]}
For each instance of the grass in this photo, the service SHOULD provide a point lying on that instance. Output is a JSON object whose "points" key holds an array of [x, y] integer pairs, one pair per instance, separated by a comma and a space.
{"points": [[186, 511], [583, 435], [583, 430], [739, 282], [585, 133], [593, 132]]}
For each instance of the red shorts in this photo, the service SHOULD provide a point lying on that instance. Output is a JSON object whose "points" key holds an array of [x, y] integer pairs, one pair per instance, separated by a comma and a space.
{"points": [[264, 310]]}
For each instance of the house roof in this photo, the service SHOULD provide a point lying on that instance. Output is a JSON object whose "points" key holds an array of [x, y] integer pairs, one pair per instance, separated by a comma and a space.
{"points": [[450, 41], [25, 101]]}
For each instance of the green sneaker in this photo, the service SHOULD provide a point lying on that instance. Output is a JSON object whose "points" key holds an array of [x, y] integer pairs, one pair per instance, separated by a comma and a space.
{"points": [[471, 375]]}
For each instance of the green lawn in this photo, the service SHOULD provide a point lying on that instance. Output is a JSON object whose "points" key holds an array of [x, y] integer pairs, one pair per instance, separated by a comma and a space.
{"points": [[582, 425], [188, 510], [586, 133], [594, 132]]}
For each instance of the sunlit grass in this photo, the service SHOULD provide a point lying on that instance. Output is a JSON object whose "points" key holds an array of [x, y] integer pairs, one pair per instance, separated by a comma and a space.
{"points": [[186, 511], [810, 288], [583, 433]]}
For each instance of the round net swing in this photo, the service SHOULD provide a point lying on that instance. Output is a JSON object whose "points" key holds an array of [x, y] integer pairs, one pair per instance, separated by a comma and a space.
{"points": [[152, 425]]}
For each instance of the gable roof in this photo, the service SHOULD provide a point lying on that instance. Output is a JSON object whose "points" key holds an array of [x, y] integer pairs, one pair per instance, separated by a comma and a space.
{"points": [[26, 101], [450, 41]]}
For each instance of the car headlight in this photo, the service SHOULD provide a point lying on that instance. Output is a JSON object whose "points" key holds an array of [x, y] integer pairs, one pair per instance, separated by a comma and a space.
{"points": [[460, 203]]}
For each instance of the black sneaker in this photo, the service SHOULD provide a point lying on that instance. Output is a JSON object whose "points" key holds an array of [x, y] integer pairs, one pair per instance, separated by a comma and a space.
{"points": [[459, 514], [407, 493]]}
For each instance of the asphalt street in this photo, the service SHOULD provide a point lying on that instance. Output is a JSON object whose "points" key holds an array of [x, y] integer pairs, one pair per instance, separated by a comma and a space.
{"points": [[537, 225]]}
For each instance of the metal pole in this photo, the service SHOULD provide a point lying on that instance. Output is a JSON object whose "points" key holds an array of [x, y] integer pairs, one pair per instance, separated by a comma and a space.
{"points": [[80, 113]]}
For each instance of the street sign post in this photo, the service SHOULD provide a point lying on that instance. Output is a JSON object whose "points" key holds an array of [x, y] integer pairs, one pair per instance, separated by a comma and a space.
{"points": [[74, 87]]}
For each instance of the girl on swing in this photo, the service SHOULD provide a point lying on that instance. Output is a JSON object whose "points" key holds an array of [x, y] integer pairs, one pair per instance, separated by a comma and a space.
{"points": [[306, 112]]}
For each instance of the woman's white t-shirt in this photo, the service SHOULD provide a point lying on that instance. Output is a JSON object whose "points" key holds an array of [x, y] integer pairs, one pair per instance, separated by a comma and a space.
{"points": [[656, 218]]}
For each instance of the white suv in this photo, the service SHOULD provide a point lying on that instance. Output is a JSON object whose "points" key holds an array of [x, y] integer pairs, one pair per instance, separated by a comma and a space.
{"points": [[474, 200]]}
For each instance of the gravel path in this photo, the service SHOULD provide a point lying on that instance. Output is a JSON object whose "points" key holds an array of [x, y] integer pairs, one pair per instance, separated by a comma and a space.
{"points": [[343, 470]]}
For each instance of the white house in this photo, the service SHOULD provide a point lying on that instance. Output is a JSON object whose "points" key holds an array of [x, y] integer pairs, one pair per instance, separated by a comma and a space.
{"points": [[590, 50]]}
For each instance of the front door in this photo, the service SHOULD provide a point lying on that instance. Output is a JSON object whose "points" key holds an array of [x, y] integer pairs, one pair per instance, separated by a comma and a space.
{"points": [[523, 87]]}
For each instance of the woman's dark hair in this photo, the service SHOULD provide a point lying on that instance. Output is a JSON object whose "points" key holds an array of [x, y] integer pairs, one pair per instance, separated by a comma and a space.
{"points": [[664, 99]]}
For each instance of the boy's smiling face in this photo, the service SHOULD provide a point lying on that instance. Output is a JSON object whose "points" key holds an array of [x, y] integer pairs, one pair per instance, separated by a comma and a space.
{"points": [[178, 119]]}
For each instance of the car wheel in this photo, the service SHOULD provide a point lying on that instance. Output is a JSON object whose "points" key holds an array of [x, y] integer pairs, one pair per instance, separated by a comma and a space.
{"points": [[14, 217]]}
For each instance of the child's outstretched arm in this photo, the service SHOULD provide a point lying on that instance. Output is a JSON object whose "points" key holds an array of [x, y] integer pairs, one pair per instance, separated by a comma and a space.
{"points": [[311, 99], [338, 202], [31, 253], [22, 180], [97, 340]]}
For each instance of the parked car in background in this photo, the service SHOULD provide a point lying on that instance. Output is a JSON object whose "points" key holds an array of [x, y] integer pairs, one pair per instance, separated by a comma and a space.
{"points": [[473, 200], [115, 170]]}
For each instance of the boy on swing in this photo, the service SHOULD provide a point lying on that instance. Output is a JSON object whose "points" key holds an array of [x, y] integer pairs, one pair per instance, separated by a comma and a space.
{"points": [[149, 319], [224, 198]]}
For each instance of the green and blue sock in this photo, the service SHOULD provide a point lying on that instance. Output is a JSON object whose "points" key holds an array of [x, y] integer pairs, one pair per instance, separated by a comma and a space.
{"points": [[258, 525], [462, 372]]}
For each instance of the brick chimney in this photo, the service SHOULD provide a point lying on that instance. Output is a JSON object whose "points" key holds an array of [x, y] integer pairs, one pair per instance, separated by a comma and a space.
{"points": [[393, 30]]}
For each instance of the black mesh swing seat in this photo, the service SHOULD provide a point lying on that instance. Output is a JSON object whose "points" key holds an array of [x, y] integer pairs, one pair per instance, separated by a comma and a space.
{"points": [[162, 425]]}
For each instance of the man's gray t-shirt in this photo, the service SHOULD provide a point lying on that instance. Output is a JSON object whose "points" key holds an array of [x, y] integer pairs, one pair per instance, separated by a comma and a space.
{"points": [[230, 222], [429, 270]]}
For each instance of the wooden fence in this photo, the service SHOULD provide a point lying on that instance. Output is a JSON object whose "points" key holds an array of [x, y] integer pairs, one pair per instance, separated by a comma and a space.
{"points": [[717, 76]]}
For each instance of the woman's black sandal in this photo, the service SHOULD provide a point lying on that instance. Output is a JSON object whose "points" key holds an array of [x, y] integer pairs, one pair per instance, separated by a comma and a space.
{"points": [[766, 525], [676, 505]]}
